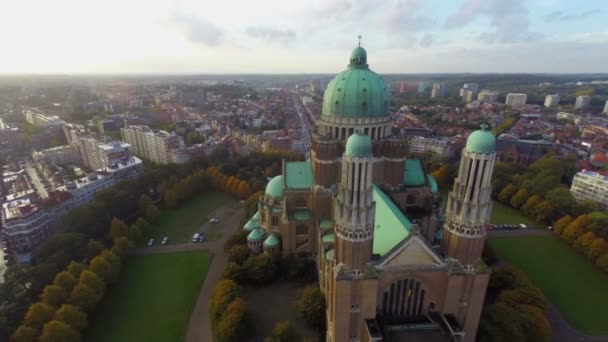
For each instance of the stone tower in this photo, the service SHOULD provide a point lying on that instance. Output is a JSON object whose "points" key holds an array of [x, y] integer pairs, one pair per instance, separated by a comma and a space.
{"points": [[469, 203]]}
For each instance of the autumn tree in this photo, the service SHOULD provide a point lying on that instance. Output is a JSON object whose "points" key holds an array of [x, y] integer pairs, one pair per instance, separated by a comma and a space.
{"points": [[529, 295], [261, 268], [122, 247], [311, 307], [24, 333], [72, 316], [560, 225], [283, 332], [235, 323], [118, 228], [58, 331], [543, 211], [575, 229], [54, 295], [237, 238], [65, 280], [92, 280], [507, 193], [224, 293], [597, 248], [529, 207], [85, 297], [75, 268], [583, 243], [107, 266], [519, 198], [602, 262], [238, 254], [38, 314], [442, 174]]}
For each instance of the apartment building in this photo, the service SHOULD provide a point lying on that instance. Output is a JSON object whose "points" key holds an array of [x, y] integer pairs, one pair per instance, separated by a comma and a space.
{"points": [[158, 146], [516, 99], [37, 118], [590, 185], [438, 146], [24, 224]]}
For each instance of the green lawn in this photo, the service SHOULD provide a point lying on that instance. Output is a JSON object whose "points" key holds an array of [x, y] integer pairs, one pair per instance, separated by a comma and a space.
{"points": [[181, 223], [502, 214], [152, 300], [568, 280]]}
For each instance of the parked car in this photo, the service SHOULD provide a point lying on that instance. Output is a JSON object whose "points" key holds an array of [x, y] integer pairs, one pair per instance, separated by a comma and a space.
{"points": [[165, 240], [521, 225], [214, 220], [201, 238], [196, 237], [150, 242]]}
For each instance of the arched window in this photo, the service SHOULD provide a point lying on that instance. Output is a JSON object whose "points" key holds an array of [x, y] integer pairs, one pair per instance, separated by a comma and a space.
{"points": [[403, 300]]}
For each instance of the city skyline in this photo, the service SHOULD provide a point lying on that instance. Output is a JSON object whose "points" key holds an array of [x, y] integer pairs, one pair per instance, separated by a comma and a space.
{"points": [[407, 36]]}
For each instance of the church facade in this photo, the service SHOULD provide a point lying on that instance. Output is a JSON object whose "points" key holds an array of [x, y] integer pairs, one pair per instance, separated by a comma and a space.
{"points": [[391, 266]]}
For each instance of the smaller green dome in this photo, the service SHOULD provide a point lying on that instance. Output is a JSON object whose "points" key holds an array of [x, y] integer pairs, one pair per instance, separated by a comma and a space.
{"points": [[328, 238], [271, 241], [481, 141], [358, 56], [274, 188], [358, 145], [256, 234], [251, 224]]}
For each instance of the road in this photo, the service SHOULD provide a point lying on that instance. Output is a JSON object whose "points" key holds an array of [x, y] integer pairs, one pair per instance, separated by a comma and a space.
{"points": [[562, 330], [31, 171]]}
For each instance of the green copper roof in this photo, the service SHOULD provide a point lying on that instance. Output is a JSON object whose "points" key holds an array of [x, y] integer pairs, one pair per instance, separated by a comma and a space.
{"points": [[274, 188], [432, 183], [329, 254], [356, 92], [358, 145], [481, 141], [392, 226], [276, 210], [272, 240], [256, 216], [414, 173], [301, 214], [328, 238], [298, 175], [251, 224], [326, 224], [256, 234]]}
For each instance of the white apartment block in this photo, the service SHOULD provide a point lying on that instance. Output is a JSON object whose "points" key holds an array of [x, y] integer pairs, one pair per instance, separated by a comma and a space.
{"points": [[438, 146], [516, 100], [590, 185], [37, 118], [474, 87], [59, 155], [605, 111], [438, 90], [487, 96], [468, 96], [24, 224], [582, 102], [551, 101], [158, 146]]}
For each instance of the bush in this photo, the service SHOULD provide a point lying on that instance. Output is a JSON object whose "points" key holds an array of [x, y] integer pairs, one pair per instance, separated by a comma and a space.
{"points": [[311, 307], [235, 323], [237, 238], [261, 268], [238, 254]]}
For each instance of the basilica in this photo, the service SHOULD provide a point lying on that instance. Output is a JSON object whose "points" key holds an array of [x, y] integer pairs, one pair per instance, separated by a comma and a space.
{"points": [[393, 267]]}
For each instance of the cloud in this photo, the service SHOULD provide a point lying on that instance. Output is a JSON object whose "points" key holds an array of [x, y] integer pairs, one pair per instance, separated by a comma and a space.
{"points": [[198, 30], [272, 35], [509, 20], [561, 16], [427, 40]]}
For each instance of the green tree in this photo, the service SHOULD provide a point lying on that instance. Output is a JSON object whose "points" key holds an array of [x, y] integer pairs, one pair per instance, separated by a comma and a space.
{"points": [[122, 247], [143, 203], [152, 214], [534, 323], [118, 228], [529, 295], [283, 332], [561, 199], [94, 247], [38, 314], [24, 333], [235, 323], [72, 316], [507, 193], [519, 198], [134, 233], [529, 208], [58, 331], [238, 254], [261, 268], [85, 297], [233, 271], [500, 322], [54, 295], [311, 307], [92, 280], [224, 293], [75, 268], [237, 238]]}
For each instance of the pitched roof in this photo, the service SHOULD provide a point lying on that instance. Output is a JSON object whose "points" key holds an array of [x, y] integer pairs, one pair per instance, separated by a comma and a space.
{"points": [[298, 175], [391, 225]]}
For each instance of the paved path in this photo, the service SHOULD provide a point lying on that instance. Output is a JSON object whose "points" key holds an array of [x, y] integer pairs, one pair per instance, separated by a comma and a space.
{"points": [[562, 330]]}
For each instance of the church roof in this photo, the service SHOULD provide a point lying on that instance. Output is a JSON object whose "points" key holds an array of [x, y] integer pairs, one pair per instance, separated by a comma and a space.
{"points": [[481, 141], [414, 173], [328, 238], [298, 175], [252, 223], [392, 226], [256, 234], [274, 188], [272, 240], [432, 183], [358, 145]]}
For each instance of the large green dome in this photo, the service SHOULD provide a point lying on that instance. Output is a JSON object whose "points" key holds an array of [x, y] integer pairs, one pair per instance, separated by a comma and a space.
{"points": [[481, 141], [356, 92], [358, 145], [274, 188]]}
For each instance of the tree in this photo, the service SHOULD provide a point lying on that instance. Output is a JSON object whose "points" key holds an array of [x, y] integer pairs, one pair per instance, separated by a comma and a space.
{"points": [[233, 271], [507, 193], [122, 247], [583, 243], [118, 228], [24, 333], [519, 198], [311, 307], [143, 203], [65, 280], [535, 323], [107, 266], [58, 331], [442, 174], [507, 278], [243, 190], [237, 238], [75, 268], [283, 332], [152, 213], [575, 229], [92, 280], [38, 314], [54, 295], [597, 248], [598, 223], [560, 225], [238, 254], [84, 297], [500, 322], [543, 211], [72, 316], [260, 268], [94, 247], [561, 199], [235, 322], [224, 293], [602, 262], [530, 206], [529, 295], [134, 233]]}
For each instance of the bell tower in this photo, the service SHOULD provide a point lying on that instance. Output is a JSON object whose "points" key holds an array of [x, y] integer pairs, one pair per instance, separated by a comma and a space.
{"points": [[469, 204]]}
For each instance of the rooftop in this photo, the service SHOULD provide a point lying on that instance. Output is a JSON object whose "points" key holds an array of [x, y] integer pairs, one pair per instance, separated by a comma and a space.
{"points": [[298, 175], [392, 226]]}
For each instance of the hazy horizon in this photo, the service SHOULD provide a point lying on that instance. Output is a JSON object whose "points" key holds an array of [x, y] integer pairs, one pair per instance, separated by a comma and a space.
{"points": [[160, 37]]}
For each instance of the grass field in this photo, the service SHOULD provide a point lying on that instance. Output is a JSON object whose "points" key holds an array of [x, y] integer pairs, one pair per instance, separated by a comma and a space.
{"points": [[181, 223], [568, 280], [152, 300]]}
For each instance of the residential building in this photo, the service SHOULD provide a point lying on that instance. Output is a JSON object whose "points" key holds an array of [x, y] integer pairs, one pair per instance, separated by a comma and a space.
{"points": [[473, 87], [582, 102], [468, 96], [422, 87], [551, 101], [438, 90], [158, 146], [37, 118], [590, 185], [605, 111], [441, 147], [390, 270], [59, 155], [487, 96], [24, 224], [515, 99]]}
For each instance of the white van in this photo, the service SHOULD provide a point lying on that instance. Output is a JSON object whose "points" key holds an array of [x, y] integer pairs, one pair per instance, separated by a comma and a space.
{"points": [[196, 237]]}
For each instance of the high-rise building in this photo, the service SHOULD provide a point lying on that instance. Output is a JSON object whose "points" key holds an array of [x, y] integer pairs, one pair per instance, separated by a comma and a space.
{"points": [[422, 86], [368, 215], [438, 90], [605, 111], [551, 101], [158, 146], [582, 102], [590, 185], [487, 96], [37, 118], [468, 96], [515, 99], [473, 87]]}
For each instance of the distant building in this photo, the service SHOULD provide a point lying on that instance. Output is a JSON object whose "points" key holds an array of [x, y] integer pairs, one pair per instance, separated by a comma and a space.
{"points": [[487, 96], [590, 185], [158, 146], [582, 102], [37, 118], [515, 99], [551, 101], [60, 155], [473, 87], [564, 116], [422, 87], [521, 152], [438, 146], [468, 96], [24, 224], [605, 111], [438, 90]]}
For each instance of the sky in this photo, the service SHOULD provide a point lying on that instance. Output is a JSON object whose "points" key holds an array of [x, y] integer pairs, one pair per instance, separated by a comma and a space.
{"points": [[316, 36]]}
